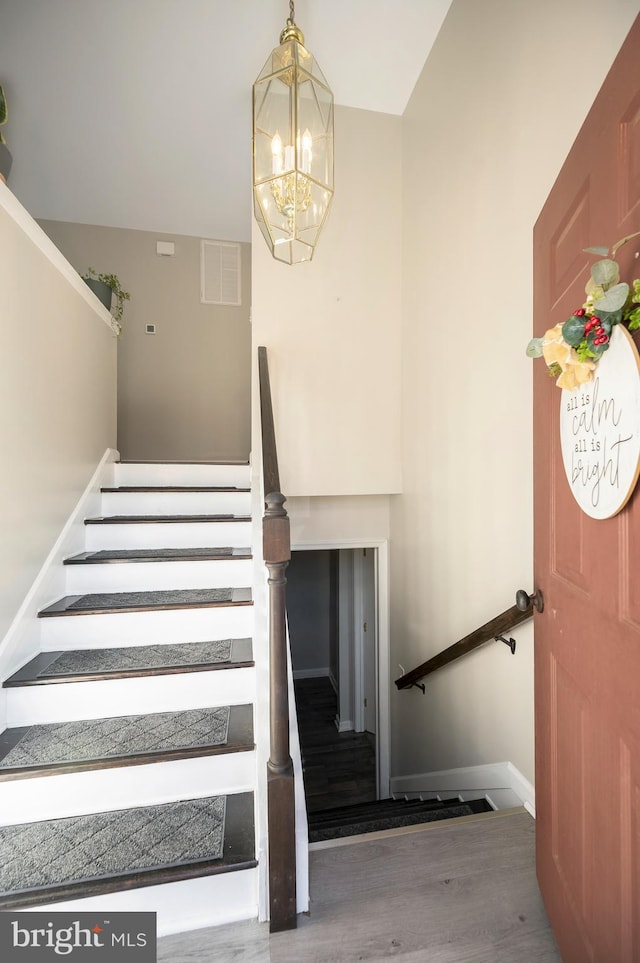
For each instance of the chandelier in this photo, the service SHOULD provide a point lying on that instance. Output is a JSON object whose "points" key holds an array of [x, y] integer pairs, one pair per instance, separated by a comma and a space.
{"points": [[292, 148]]}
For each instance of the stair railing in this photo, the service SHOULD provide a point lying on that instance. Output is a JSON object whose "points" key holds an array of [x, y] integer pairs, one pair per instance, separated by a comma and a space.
{"points": [[276, 543], [494, 629]]}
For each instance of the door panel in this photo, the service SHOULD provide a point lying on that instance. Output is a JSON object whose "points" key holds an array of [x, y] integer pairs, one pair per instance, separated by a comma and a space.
{"points": [[587, 659]]}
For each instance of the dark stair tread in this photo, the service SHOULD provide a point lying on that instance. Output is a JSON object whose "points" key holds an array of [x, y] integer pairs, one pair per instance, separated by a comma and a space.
{"points": [[235, 462], [91, 665], [131, 740], [117, 555], [160, 489], [378, 809], [118, 602], [81, 856], [353, 827], [162, 519]]}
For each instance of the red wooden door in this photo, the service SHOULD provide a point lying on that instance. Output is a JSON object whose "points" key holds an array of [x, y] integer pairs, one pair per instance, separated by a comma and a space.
{"points": [[587, 640]]}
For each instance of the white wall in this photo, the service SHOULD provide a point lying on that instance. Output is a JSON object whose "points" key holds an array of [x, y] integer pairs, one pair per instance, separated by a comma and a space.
{"points": [[332, 326], [489, 124], [183, 393], [57, 397]]}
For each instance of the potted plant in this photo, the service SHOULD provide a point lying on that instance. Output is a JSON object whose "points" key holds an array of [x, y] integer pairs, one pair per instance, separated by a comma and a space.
{"points": [[5, 155], [105, 287]]}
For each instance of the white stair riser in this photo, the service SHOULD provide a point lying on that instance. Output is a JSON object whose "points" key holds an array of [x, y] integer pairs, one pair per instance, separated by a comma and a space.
{"points": [[176, 503], [73, 701], [168, 535], [105, 790], [146, 628], [188, 905], [148, 576], [204, 476]]}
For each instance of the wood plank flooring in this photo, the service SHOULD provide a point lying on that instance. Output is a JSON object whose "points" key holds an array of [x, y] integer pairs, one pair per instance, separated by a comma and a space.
{"points": [[463, 893], [339, 767]]}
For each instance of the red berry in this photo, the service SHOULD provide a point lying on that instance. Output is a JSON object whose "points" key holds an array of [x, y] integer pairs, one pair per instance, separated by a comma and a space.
{"points": [[580, 313]]}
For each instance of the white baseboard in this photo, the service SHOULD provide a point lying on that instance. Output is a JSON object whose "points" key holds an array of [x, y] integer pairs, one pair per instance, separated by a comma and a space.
{"points": [[344, 725], [311, 674], [486, 778], [22, 640]]}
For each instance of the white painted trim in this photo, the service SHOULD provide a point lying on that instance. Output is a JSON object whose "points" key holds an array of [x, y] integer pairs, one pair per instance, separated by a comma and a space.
{"points": [[358, 642], [383, 735], [522, 788], [313, 674], [34, 232], [333, 681], [492, 776], [344, 725]]}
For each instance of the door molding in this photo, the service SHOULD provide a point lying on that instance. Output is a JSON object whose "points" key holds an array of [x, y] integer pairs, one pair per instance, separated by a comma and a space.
{"points": [[382, 589]]}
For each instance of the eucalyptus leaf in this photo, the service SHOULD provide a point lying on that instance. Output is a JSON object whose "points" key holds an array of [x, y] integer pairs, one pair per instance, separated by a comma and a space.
{"points": [[605, 272], [599, 349], [573, 330], [609, 318], [534, 348], [605, 324], [602, 251], [614, 299]]}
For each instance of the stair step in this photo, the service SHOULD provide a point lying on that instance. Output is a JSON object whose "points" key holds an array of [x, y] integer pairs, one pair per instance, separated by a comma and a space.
{"points": [[162, 519], [175, 488], [83, 856], [351, 826], [118, 602], [382, 808], [123, 555], [91, 665], [124, 740], [182, 475], [175, 501]]}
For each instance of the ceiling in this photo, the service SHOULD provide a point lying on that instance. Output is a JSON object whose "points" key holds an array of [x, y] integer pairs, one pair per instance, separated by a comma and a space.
{"points": [[137, 113]]}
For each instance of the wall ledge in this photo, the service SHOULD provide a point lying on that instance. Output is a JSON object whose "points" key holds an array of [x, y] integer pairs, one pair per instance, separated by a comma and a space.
{"points": [[10, 203]]}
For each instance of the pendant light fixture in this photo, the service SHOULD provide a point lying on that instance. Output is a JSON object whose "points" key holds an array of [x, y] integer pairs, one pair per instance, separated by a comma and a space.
{"points": [[292, 148]]}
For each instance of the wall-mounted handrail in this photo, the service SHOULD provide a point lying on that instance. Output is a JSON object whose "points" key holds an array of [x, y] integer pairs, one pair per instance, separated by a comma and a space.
{"points": [[276, 550], [507, 620]]}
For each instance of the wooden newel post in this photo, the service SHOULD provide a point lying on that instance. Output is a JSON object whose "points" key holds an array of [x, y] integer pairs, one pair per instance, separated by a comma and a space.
{"points": [[280, 781]]}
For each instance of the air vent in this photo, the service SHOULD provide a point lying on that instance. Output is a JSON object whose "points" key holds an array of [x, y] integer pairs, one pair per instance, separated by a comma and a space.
{"points": [[220, 273]]}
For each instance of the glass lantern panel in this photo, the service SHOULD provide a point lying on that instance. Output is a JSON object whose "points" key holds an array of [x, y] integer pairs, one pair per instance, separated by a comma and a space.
{"points": [[272, 128], [315, 154]]}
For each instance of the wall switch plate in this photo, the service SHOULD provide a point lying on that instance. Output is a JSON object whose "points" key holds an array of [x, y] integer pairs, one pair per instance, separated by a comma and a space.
{"points": [[149, 329], [165, 248]]}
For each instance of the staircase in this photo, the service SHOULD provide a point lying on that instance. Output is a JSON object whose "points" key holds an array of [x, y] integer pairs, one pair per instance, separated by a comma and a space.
{"points": [[128, 768], [385, 814]]}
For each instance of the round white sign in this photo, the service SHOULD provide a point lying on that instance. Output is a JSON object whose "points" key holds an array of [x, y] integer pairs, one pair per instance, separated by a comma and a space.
{"points": [[600, 430]]}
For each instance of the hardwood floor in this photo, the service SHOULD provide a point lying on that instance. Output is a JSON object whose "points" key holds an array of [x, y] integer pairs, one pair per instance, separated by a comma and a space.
{"points": [[463, 893], [339, 767]]}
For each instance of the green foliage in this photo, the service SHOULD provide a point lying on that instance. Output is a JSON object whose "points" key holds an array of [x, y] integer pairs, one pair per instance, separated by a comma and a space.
{"points": [[119, 293], [631, 310], [584, 351], [605, 272], [4, 113], [573, 330], [609, 302], [614, 299]]}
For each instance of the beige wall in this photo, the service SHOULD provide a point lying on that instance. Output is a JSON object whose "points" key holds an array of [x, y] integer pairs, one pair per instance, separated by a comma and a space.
{"points": [[332, 326], [57, 399], [489, 124], [183, 393]]}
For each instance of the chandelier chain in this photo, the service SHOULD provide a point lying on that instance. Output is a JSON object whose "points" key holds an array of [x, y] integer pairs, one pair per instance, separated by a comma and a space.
{"points": [[292, 13]]}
